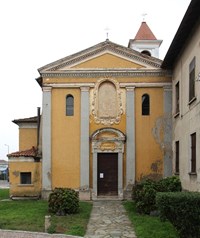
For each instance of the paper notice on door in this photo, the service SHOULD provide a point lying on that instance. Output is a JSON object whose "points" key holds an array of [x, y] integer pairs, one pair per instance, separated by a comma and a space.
{"points": [[101, 175]]}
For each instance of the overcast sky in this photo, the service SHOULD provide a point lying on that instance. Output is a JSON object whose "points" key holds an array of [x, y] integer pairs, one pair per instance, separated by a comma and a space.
{"points": [[37, 32]]}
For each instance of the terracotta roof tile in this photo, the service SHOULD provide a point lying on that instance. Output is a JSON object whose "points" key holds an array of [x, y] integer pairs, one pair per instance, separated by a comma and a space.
{"points": [[144, 33], [29, 120], [26, 153]]}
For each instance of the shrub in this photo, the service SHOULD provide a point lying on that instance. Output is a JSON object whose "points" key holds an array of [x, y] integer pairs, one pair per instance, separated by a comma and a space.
{"points": [[182, 209], [170, 184], [63, 201], [144, 193]]}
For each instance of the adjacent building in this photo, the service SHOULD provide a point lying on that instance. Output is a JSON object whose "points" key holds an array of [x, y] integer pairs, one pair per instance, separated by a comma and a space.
{"points": [[183, 59]]}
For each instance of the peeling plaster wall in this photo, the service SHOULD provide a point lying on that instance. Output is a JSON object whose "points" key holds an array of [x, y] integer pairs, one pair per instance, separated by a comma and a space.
{"points": [[149, 135]]}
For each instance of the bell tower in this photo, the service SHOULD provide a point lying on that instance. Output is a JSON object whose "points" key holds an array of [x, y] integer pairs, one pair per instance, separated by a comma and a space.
{"points": [[145, 41]]}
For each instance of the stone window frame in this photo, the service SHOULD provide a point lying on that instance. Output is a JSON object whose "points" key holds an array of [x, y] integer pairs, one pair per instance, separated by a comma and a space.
{"points": [[177, 157], [193, 162], [69, 105], [145, 104], [25, 178], [192, 68]]}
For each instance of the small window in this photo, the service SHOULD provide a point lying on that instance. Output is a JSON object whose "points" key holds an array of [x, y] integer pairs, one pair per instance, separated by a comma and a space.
{"points": [[193, 153], [177, 98], [146, 52], [25, 178], [177, 157], [145, 105], [192, 80], [69, 105]]}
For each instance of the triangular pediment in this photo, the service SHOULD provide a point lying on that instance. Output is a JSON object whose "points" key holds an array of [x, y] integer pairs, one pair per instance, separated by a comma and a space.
{"points": [[105, 55], [105, 61]]}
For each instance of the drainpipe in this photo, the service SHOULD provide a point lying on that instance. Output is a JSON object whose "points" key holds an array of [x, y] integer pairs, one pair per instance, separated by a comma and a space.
{"points": [[38, 126]]}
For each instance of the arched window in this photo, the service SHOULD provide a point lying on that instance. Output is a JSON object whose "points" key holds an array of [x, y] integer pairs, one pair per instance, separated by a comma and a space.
{"points": [[69, 105], [145, 105], [146, 52]]}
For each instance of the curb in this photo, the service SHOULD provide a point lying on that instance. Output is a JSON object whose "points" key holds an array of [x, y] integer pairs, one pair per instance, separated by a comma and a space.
{"points": [[28, 234]]}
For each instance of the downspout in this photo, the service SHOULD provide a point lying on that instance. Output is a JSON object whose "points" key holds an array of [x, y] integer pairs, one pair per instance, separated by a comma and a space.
{"points": [[38, 127]]}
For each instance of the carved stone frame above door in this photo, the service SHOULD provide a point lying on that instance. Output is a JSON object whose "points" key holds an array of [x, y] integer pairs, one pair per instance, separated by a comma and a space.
{"points": [[108, 140]]}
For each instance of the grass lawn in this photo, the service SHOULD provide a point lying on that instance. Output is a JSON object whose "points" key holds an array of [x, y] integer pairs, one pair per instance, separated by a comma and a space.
{"points": [[147, 226], [29, 216], [4, 194]]}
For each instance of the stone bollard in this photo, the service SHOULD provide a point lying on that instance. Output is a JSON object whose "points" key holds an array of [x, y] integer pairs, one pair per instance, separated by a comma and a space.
{"points": [[47, 223]]}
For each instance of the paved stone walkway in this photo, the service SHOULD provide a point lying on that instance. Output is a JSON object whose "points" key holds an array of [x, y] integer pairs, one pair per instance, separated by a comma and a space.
{"points": [[109, 219]]}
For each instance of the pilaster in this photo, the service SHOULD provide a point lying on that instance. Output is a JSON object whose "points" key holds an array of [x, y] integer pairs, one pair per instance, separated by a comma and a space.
{"points": [[84, 176], [130, 137], [168, 131], [46, 142]]}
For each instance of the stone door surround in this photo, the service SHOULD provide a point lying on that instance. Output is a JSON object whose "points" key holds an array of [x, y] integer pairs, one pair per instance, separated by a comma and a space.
{"points": [[108, 140]]}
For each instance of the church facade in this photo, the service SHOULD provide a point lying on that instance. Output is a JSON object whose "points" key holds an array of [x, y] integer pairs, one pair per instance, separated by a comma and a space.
{"points": [[105, 123]]}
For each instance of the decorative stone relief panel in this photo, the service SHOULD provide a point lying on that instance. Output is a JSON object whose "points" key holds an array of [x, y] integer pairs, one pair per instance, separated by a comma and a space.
{"points": [[107, 103], [108, 140]]}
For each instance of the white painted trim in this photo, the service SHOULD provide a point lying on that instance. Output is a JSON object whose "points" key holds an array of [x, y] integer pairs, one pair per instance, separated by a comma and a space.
{"points": [[145, 85], [91, 85], [28, 125], [69, 85], [20, 159]]}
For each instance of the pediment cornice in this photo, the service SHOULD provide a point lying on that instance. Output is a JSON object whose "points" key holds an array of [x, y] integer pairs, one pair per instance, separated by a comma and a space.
{"points": [[106, 46]]}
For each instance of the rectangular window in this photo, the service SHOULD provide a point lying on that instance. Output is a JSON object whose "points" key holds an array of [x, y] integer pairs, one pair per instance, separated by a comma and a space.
{"points": [[177, 157], [192, 80], [25, 178], [177, 98], [193, 153]]}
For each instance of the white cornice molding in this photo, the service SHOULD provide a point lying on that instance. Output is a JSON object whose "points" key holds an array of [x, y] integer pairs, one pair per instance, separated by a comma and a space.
{"points": [[70, 85], [106, 73], [146, 85], [20, 159], [122, 85], [28, 125]]}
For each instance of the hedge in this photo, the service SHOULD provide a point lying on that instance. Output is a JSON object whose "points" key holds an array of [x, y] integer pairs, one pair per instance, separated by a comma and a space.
{"points": [[182, 209], [144, 193]]}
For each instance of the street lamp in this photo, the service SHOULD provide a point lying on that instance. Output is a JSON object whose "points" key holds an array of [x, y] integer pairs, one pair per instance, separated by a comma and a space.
{"points": [[7, 147]]}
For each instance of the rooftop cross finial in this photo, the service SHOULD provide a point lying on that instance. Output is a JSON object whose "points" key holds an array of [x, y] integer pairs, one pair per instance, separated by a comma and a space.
{"points": [[107, 32], [144, 16]]}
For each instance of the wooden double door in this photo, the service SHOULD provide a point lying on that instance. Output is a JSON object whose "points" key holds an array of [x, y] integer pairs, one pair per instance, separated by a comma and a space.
{"points": [[107, 174]]}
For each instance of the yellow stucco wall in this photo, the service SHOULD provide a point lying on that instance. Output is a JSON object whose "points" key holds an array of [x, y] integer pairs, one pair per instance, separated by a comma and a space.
{"points": [[27, 138], [65, 130], [65, 140], [149, 155], [108, 61], [18, 189]]}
